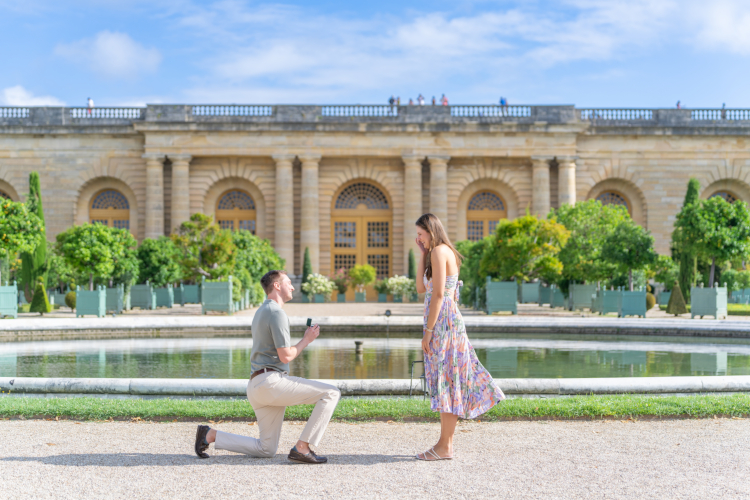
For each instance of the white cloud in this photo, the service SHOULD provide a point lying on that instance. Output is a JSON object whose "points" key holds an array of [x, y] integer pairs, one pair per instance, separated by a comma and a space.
{"points": [[111, 54], [19, 96]]}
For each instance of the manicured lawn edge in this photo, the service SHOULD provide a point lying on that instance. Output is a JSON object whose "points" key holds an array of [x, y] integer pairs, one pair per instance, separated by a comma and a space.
{"points": [[732, 309], [578, 407]]}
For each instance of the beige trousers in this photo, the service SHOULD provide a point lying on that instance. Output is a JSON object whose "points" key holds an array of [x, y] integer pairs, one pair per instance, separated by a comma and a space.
{"points": [[270, 393]]}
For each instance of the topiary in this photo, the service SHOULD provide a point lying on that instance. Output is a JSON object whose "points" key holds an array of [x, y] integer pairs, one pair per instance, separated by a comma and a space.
{"points": [[650, 301], [70, 299], [40, 302], [676, 303]]}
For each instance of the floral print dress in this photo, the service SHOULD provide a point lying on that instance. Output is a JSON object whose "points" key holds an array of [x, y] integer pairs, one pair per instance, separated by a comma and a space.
{"points": [[456, 381]]}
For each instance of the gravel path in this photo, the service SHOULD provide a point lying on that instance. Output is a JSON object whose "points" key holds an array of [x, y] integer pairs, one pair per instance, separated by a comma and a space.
{"points": [[699, 459]]}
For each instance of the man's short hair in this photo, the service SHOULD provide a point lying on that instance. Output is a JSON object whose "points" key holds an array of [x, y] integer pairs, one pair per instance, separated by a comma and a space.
{"points": [[270, 278]]}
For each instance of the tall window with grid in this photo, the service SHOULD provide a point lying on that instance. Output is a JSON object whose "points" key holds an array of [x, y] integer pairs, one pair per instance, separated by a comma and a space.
{"points": [[111, 208], [362, 223], [236, 210], [484, 211]]}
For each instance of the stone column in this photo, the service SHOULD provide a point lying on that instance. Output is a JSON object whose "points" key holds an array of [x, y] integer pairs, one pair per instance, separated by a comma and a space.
{"points": [[154, 195], [412, 204], [439, 188], [284, 234], [310, 221], [180, 189], [540, 203], [567, 179]]}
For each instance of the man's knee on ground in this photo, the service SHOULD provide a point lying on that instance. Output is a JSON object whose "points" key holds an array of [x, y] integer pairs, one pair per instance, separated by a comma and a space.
{"points": [[268, 448]]}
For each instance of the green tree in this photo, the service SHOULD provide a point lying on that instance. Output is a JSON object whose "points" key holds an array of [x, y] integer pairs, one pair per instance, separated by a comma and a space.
{"points": [[39, 302], [589, 223], [362, 275], [89, 249], [205, 248], [59, 272], [681, 252], [255, 254], [715, 229], [474, 287], [666, 271], [34, 263], [412, 265], [524, 249], [124, 258], [158, 261], [629, 247], [20, 230], [307, 269]]}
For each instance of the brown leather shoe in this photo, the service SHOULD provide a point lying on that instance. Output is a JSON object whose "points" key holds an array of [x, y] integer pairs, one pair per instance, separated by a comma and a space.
{"points": [[310, 458], [201, 445]]}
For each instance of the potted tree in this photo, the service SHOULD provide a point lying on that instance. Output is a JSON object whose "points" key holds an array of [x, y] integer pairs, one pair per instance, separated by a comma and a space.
{"points": [[361, 275], [381, 286], [630, 248], [319, 286], [401, 287], [21, 231], [341, 282], [719, 231], [520, 251]]}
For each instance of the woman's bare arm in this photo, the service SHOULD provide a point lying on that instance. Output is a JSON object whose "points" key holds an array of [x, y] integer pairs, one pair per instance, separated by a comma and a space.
{"points": [[439, 263], [420, 271]]}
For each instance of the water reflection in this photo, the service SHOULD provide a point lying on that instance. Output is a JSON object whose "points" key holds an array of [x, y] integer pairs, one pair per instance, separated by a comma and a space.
{"points": [[505, 357]]}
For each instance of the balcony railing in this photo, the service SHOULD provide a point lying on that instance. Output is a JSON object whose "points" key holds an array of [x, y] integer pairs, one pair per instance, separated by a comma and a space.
{"points": [[14, 112], [108, 113], [231, 110], [616, 114], [493, 111], [720, 114], [360, 110]]}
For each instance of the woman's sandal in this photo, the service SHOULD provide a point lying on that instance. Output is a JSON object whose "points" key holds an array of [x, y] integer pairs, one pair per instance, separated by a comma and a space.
{"points": [[432, 456]]}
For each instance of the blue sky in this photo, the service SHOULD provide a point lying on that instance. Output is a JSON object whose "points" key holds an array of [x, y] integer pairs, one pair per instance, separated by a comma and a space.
{"points": [[603, 53]]}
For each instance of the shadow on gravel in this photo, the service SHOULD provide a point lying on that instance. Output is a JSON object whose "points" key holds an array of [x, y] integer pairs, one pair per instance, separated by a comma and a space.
{"points": [[156, 459]]}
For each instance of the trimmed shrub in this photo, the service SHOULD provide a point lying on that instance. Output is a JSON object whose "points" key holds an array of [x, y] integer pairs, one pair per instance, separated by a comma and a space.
{"points": [[676, 303], [650, 301], [70, 299], [40, 302]]}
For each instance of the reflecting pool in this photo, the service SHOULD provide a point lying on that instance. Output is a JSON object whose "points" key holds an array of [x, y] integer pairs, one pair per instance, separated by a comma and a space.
{"points": [[506, 356]]}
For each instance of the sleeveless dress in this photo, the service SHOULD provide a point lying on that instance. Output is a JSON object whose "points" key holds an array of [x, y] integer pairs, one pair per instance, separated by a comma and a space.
{"points": [[456, 381]]}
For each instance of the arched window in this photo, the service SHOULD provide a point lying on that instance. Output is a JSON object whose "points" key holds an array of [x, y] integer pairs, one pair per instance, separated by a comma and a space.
{"points": [[613, 198], [111, 208], [236, 210], [361, 220], [729, 197], [484, 211]]}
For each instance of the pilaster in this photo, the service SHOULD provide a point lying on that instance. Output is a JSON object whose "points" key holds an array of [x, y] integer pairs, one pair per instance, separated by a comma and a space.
{"points": [[180, 189], [567, 180], [284, 231], [154, 195], [412, 204], [540, 197], [310, 220], [439, 188]]}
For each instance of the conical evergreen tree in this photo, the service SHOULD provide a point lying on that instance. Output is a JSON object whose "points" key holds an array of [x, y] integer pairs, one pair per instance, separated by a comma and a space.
{"points": [[307, 269], [34, 264], [676, 303], [40, 303], [412, 265], [688, 260]]}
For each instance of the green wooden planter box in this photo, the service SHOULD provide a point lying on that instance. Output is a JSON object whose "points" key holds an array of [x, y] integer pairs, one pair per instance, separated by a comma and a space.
{"points": [[319, 298], [528, 292], [126, 301], [341, 298], [9, 300], [398, 298], [360, 296], [579, 296], [91, 302], [502, 296], [217, 296], [558, 299], [248, 305], [414, 297], [632, 303], [116, 299], [545, 295], [606, 301], [237, 306], [143, 296], [191, 294], [165, 296], [179, 294], [56, 297], [305, 298], [21, 298], [708, 302], [382, 297], [664, 298]]}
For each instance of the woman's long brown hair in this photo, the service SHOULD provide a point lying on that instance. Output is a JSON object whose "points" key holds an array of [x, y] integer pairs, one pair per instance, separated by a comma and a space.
{"points": [[432, 225]]}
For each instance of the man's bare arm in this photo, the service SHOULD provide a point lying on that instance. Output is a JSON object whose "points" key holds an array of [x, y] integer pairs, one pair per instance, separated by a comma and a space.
{"points": [[287, 354]]}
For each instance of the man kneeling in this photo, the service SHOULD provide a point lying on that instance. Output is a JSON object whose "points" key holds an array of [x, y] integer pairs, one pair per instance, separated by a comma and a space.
{"points": [[271, 389]]}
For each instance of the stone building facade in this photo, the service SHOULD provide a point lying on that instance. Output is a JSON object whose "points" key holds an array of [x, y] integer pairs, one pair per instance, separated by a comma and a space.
{"points": [[348, 182]]}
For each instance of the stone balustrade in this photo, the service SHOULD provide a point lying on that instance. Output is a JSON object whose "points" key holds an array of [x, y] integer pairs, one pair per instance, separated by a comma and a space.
{"points": [[30, 116]]}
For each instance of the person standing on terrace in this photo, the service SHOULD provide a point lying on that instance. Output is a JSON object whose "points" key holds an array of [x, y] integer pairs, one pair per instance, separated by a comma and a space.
{"points": [[270, 388], [444, 100], [458, 384]]}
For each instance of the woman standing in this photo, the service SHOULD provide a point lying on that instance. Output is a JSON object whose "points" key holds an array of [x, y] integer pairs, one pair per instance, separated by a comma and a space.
{"points": [[458, 384]]}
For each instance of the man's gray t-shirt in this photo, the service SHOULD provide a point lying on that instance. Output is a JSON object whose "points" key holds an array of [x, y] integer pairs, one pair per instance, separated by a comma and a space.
{"points": [[270, 331]]}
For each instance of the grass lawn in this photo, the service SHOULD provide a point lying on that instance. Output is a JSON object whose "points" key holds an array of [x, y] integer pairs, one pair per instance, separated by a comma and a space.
{"points": [[732, 309], [616, 406]]}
